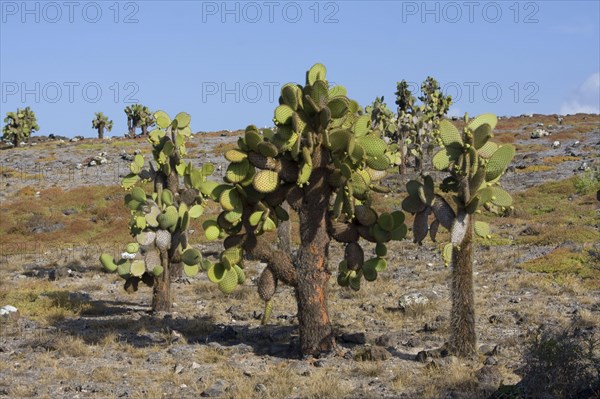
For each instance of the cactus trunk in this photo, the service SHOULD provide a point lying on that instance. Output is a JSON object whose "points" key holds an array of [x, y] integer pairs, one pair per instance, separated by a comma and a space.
{"points": [[16, 140], [161, 294], [144, 130], [463, 339], [316, 334], [101, 132], [284, 232]]}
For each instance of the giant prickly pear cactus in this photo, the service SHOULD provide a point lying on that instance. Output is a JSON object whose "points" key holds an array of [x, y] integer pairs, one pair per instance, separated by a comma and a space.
{"points": [[417, 126], [474, 165], [324, 160], [101, 122], [160, 220], [140, 116], [19, 125]]}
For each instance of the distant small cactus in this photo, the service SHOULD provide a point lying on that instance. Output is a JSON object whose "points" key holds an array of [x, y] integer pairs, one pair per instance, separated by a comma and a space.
{"points": [[19, 126], [101, 122]]}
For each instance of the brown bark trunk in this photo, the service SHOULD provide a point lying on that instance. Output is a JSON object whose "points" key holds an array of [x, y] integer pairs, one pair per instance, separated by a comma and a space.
{"points": [[463, 338], [161, 294], [100, 132], [16, 141], [316, 335]]}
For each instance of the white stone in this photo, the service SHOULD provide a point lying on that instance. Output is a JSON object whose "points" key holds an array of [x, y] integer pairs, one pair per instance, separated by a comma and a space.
{"points": [[127, 255], [8, 309]]}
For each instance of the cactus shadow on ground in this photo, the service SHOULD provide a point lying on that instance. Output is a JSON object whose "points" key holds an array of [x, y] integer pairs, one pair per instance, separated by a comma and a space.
{"points": [[145, 330]]}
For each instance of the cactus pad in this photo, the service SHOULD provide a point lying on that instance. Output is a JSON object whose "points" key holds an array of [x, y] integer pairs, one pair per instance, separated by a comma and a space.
{"points": [[191, 256], [449, 133], [132, 247], [316, 72], [230, 199], [216, 272], [482, 229], [447, 254], [365, 215], [169, 218], [413, 204], [498, 162], [191, 270], [241, 275], [283, 115], [138, 194], [500, 197], [265, 181], [235, 155], [163, 240], [380, 249], [266, 284], [108, 262], [138, 267], [229, 282]]}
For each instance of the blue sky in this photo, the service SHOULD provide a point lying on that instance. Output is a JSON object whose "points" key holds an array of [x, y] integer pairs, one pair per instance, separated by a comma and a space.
{"points": [[223, 62]]}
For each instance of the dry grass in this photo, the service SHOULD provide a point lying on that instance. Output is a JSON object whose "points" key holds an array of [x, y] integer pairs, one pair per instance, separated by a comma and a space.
{"points": [[559, 159], [28, 212], [455, 377], [41, 301], [221, 148]]}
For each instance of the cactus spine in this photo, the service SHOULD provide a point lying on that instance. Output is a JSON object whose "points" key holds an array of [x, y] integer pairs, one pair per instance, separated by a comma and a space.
{"points": [[324, 160], [474, 166], [19, 126], [160, 220], [101, 122]]}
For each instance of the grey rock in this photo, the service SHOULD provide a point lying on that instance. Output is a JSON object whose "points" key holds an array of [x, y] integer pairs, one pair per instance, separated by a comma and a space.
{"points": [[260, 388], [48, 229], [488, 350], [371, 353], [437, 353], [217, 389], [355, 338], [408, 301], [491, 361], [442, 362], [383, 340], [489, 377]]}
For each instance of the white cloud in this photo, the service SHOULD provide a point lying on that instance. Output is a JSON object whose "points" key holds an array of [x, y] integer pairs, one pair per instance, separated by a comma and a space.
{"points": [[585, 99]]}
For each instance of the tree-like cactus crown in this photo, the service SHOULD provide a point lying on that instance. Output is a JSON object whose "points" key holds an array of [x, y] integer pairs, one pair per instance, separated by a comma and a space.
{"points": [[474, 165], [160, 220], [139, 115], [317, 127], [102, 120], [417, 126]]}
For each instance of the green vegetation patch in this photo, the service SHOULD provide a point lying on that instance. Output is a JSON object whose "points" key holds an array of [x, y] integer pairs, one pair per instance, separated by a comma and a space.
{"points": [[562, 261]]}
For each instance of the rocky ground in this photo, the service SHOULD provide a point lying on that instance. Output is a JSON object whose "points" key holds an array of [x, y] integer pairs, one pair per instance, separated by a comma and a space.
{"points": [[77, 334]]}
